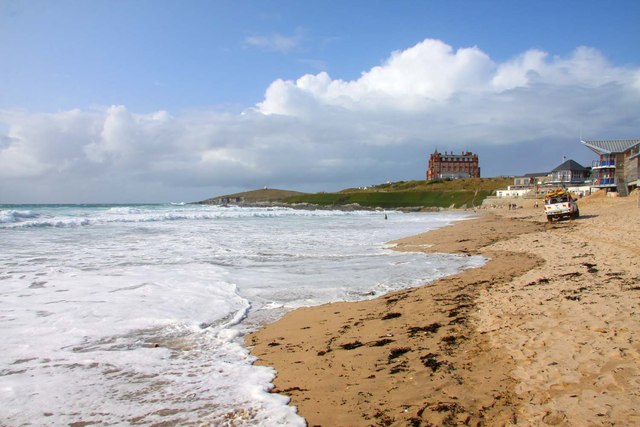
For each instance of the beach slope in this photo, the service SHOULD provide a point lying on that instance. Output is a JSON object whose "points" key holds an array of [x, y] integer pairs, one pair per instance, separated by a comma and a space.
{"points": [[543, 333]]}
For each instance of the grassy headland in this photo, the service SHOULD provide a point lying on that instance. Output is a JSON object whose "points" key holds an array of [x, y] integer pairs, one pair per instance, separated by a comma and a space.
{"points": [[404, 194], [255, 196]]}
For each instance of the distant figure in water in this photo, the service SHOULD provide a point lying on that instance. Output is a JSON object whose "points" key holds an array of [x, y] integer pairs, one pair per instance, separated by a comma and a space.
{"points": [[385, 216]]}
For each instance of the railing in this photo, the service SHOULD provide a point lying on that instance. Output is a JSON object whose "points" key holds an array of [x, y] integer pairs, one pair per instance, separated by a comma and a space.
{"points": [[603, 164], [605, 182]]}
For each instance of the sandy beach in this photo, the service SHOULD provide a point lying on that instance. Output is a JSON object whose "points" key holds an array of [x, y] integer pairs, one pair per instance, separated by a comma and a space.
{"points": [[545, 333]]}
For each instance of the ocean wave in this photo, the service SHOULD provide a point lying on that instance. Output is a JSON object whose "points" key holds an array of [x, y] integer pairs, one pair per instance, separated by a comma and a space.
{"points": [[137, 215], [52, 222], [10, 215], [127, 214], [124, 210]]}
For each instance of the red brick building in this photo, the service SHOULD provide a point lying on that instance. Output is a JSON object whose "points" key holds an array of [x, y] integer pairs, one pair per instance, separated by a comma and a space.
{"points": [[453, 166]]}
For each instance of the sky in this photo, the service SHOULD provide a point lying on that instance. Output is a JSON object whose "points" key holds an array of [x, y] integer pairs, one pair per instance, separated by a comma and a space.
{"points": [[114, 101]]}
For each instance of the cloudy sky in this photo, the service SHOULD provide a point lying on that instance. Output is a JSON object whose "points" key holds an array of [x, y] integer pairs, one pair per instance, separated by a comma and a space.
{"points": [[158, 101]]}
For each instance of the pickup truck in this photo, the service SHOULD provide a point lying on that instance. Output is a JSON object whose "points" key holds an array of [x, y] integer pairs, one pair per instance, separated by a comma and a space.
{"points": [[560, 204]]}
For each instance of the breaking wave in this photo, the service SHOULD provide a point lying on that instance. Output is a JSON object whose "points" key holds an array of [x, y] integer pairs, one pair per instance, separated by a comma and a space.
{"points": [[126, 214], [11, 215]]}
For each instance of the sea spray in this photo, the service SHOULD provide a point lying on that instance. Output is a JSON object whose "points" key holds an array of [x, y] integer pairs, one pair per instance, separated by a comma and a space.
{"points": [[135, 314]]}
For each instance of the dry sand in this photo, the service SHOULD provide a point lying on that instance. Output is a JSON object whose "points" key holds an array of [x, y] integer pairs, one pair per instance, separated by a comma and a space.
{"points": [[545, 333]]}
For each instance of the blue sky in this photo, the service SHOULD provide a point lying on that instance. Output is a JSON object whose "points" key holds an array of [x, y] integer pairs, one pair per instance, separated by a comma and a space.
{"points": [[123, 101]]}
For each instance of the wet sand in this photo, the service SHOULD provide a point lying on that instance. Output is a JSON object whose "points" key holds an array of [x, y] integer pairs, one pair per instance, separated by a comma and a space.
{"points": [[543, 334]]}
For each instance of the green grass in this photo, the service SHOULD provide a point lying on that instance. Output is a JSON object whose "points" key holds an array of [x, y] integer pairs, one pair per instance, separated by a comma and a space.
{"points": [[442, 193], [439, 193], [395, 199], [470, 184]]}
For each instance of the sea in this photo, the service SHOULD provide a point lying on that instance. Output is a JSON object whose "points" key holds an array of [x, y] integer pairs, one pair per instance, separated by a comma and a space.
{"points": [[135, 314]]}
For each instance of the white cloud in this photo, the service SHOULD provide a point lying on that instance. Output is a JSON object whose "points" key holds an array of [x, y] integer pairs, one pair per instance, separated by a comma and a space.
{"points": [[275, 41], [410, 80], [430, 74], [429, 70], [32, 147], [586, 68], [517, 72], [126, 139], [319, 133]]}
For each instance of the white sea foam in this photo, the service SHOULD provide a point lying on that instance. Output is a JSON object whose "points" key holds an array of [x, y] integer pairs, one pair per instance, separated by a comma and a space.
{"points": [[27, 219], [134, 314], [12, 215]]}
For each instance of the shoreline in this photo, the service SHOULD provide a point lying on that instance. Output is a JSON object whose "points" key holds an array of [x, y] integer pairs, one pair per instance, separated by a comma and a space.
{"points": [[461, 350]]}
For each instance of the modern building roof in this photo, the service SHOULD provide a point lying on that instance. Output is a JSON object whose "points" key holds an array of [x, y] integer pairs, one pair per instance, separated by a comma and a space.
{"points": [[612, 145], [570, 165], [535, 175]]}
